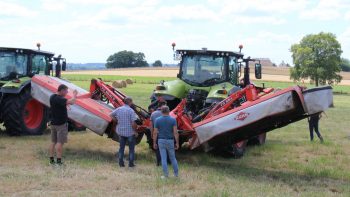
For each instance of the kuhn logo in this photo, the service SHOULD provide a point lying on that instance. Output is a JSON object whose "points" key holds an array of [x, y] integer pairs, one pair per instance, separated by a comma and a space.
{"points": [[242, 116]]}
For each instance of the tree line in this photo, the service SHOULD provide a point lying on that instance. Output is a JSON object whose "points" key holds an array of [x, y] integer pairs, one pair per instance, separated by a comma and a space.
{"points": [[129, 59]]}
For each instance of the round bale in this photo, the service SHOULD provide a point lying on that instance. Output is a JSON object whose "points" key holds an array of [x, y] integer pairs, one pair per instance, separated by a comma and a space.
{"points": [[123, 83], [117, 84], [129, 81]]}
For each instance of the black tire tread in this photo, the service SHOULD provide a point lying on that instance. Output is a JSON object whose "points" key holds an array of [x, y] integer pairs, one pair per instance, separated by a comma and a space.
{"points": [[12, 106]]}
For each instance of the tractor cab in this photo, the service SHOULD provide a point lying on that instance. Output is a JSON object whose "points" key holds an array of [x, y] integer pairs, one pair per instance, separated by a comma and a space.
{"points": [[16, 63], [205, 77], [204, 68]]}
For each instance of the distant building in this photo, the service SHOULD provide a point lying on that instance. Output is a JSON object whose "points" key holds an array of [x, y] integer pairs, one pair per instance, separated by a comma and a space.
{"points": [[283, 65], [265, 62]]}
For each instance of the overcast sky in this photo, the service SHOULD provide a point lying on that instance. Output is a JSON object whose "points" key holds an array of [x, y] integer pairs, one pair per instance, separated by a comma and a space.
{"points": [[90, 30]]}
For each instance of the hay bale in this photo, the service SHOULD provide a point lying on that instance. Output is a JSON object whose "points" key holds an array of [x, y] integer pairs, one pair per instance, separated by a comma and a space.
{"points": [[123, 83], [117, 84], [129, 81]]}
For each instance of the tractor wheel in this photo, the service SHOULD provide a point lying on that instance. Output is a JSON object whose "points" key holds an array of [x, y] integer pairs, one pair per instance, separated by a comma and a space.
{"points": [[24, 115], [239, 148]]}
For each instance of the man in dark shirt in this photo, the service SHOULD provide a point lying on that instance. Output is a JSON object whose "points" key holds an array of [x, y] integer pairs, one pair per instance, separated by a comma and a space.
{"points": [[165, 130], [59, 127], [313, 125]]}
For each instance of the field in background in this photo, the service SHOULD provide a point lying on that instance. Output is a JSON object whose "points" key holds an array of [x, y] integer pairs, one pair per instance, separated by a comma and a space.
{"points": [[82, 78], [287, 165], [269, 73]]}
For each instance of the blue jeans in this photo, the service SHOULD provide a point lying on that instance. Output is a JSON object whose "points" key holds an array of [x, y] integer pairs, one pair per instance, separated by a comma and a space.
{"points": [[122, 142], [313, 125], [166, 147]]}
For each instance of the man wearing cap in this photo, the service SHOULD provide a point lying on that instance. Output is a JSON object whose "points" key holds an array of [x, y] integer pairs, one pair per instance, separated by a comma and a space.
{"points": [[125, 118]]}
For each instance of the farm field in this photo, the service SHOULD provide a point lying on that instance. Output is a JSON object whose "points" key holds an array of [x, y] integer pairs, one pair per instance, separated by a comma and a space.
{"points": [[287, 165], [269, 73]]}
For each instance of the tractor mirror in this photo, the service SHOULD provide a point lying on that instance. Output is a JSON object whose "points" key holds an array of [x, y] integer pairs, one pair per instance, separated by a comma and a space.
{"points": [[239, 69], [64, 65], [50, 66], [258, 71]]}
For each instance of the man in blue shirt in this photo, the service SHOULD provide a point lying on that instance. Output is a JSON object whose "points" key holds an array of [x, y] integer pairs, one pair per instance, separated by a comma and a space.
{"points": [[165, 130], [125, 118], [156, 114]]}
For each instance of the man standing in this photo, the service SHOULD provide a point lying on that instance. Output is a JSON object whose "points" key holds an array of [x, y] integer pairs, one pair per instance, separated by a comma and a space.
{"points": [[165, 130], [59, 127], [313, 125], [125, 118], [156, 114]]}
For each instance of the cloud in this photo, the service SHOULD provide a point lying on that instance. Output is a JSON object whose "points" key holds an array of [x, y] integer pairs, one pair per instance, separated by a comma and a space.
{"points": [[52, 5], [326, 10], [15, 10], [344, 40], [347, 16], [258, 20], [266, 6]]}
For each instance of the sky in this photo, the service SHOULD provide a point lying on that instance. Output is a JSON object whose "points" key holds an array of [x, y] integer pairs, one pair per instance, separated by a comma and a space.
{"points": [[90, 30]]}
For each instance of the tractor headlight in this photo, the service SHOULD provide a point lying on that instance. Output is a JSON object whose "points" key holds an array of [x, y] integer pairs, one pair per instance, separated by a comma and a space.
{"points": [[222, 91], [160, 87]]}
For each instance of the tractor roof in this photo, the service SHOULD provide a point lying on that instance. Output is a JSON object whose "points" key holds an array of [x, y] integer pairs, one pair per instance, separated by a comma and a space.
{"points": [[209, 52], [27, 51]]}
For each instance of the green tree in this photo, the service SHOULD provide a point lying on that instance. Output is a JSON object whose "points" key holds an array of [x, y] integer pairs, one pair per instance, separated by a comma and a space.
{"points": [[345, 65], [317, 57], [126, 59], [157, 63]]}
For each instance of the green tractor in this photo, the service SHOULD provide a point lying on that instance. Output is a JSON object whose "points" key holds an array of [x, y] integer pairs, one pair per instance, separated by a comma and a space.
{"points": [[20, 113], [206, 76]]}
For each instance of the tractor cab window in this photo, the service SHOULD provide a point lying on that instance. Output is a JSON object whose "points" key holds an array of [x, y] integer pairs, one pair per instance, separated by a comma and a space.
{"points": [[233, 73], [12, 64], [203, 69], [39, 64]]}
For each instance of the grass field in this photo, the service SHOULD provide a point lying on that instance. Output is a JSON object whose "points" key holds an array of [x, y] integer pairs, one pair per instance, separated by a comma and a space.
{"points": [[287, 165]]}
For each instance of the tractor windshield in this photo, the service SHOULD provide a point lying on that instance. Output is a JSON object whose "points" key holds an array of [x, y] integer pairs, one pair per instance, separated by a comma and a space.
{"points": [[203, 69], [12, 63]]}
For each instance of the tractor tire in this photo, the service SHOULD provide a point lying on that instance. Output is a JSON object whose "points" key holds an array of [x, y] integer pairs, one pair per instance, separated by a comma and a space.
{"points": [[23, 115], [239, 149]]}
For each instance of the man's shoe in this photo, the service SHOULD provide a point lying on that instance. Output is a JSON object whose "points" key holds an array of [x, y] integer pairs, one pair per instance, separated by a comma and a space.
{"points": [[163, 177], [121, 165], [132, 165], [321, 139], [60, 164], [52, 163]]}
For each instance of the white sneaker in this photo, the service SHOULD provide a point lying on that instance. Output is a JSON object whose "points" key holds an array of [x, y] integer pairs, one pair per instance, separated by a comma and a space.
{"points": [[163, 177]]}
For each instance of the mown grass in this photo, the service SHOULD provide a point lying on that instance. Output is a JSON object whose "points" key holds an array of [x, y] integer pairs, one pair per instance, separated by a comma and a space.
{"points": [[287, 165]]}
